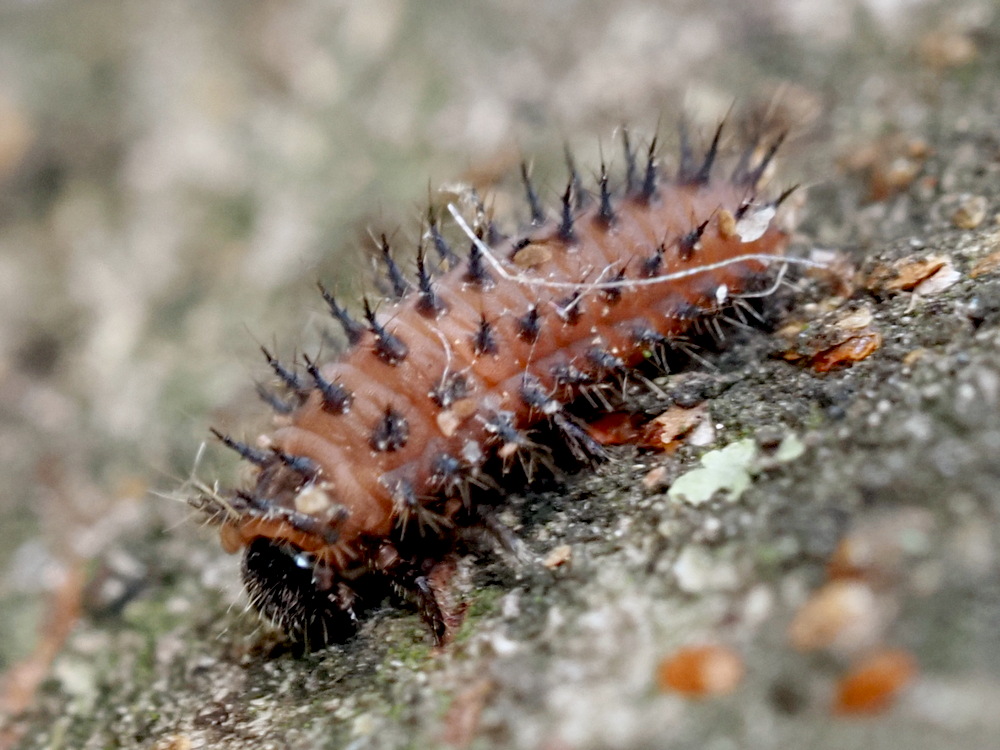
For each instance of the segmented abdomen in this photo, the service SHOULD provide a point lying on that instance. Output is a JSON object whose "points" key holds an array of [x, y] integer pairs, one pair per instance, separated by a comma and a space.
{"points": [[463, 364]]}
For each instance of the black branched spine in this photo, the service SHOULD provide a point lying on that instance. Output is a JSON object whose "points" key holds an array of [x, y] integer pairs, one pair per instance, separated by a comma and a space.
{"points": [[353, 330], [534, 205], [397, 281], [389, 348], [294, 382], [336, 398]]}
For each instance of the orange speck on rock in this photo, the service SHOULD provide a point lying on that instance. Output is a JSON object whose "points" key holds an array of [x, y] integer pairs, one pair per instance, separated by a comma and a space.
{"points": [[904, 274], [701, 671], [846, 561], [655, 478], [848, 352], [880, 549], [987, 265], [872, 685], [461, 721], [835, 339], [665, 431], [19, 684], [173, 742], [843, 614], [889, 165], [558, 556], [947, 48], [617, 428], [971, 212]]}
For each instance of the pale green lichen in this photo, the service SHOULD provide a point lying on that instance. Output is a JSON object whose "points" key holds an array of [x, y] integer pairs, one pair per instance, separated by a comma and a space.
{"points": [[725, 469], [730, 469]]}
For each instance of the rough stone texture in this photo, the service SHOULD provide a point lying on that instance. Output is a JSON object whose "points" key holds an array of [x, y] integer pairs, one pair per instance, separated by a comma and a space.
{"points": [[175, 174]]}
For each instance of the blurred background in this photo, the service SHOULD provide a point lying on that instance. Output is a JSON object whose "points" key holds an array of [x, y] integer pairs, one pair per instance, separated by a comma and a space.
{"points": [[176, 175]]}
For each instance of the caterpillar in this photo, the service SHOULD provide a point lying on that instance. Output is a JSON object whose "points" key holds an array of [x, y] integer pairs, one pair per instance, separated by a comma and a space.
{"points": [[383, 457]]}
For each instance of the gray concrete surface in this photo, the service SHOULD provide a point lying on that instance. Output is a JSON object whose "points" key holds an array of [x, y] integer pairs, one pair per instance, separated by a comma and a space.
{"points": [[174, 177]]}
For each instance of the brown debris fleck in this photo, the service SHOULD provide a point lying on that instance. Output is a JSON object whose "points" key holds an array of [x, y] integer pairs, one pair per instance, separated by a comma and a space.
{"points": [[727, 224], [558, 557], [462, 718], [848, 352], [18, 686], [889, 165], [881, 549], [872, 685], [904, 274], [20, 683], [833, 342], [173, 742], [655, 478], [701, 671], [842, 615], [947, 49], [987, 265], [532, 255], [617, 428], [666, 431], [971, 212]]}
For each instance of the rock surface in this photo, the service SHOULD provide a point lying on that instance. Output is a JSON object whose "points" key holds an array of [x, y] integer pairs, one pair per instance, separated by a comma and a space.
{"points": [[177, 173]]}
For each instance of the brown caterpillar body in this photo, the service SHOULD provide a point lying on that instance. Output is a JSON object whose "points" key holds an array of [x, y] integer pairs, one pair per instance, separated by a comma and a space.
{"points": [[366, 481]]}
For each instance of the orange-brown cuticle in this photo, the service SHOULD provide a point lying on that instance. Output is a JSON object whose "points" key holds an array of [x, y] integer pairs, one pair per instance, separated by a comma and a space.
{"points": [[382, 454]]}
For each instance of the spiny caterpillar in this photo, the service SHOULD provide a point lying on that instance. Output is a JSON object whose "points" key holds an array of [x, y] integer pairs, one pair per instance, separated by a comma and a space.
{"points": [[383, 457]]}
